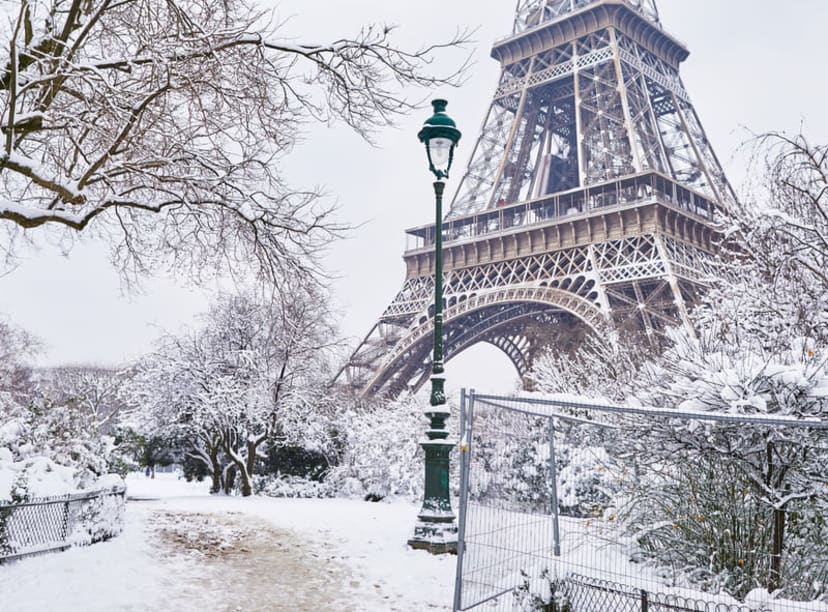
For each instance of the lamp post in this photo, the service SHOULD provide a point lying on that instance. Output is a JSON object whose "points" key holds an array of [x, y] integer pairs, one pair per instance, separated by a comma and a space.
{"points": [[436, 528]]}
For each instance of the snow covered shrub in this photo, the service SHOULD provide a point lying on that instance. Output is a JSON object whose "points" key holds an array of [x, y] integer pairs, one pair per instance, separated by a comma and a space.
{"points": [[380, 453], [295, 462], [510, 455], [101, 517], [293, 471], [699, 521], [588, 479], [604, 368], [511, 452], [543, 593], [805, 552], [723, 500], [48, 450], [282, 485]]}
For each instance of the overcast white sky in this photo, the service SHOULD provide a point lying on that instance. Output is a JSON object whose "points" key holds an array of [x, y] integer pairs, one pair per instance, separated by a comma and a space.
{"points": [[753, 64]]}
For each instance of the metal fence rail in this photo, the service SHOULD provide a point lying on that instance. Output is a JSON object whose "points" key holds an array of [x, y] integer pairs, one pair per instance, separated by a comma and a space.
{"points": [[56, 523]]}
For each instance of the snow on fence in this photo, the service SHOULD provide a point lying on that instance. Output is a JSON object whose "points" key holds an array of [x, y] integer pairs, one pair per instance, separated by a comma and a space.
{"points": [[577, 592], [56, 523], [568, 506]]}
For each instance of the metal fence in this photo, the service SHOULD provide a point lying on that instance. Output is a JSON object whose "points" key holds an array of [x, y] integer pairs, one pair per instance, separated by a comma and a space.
{"points": [[542, 523], [56, 523], [585, 593]]}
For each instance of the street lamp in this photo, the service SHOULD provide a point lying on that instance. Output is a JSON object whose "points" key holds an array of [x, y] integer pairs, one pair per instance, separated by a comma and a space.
{"points": [[436, 529]]}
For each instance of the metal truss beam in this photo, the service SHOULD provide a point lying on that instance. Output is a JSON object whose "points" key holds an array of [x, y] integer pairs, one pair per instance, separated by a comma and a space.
{"points": [[630, 111]]}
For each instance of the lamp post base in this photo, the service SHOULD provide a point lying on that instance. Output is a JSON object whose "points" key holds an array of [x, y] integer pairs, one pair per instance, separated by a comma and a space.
{"points": [[436, 526], [436, 534]]}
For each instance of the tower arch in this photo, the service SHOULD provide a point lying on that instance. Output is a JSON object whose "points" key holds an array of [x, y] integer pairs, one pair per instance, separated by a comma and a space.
{"points": [[501, 318]]}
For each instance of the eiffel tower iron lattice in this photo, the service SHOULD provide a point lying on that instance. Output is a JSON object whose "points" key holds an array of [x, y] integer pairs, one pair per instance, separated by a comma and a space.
{"points": [[590, 200]]}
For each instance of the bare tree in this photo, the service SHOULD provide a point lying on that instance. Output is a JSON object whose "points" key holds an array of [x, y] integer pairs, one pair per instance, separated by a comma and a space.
{"points": [[159, 125]]}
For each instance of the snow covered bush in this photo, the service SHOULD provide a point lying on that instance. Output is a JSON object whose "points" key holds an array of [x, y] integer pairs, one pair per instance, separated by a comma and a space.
{"points": [[372, 451], [51, 446], [380, 454], [604, 367], [588, 480], [278, 485], [512, 464], [99, 517], [724, 499], [543, 593], [511, 455], [48, 450], [50, 442]]}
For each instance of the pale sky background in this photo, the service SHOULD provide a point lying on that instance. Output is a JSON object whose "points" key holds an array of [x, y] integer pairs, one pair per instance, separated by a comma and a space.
{"points": [[755, 64]]}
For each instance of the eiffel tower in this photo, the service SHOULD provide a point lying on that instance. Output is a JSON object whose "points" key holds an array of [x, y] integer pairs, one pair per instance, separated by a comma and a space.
{"points": [[590, 200]]}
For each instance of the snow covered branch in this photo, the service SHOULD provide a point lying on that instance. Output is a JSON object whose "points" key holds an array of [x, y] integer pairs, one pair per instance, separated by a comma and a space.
{"points": [[162, 124]]}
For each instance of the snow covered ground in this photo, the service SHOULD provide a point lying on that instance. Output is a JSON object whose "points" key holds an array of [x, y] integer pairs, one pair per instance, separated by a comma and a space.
{"points": [[185, 550]]}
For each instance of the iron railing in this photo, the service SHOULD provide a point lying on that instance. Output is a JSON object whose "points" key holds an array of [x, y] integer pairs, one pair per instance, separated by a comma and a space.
{"points": [[581, 593], [57, 523]]}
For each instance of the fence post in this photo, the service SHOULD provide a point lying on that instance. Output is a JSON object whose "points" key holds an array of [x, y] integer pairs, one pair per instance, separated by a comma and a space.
{"points": [[465, 449], [66, 519], [645, 602], [462, 412], [553, 468]]}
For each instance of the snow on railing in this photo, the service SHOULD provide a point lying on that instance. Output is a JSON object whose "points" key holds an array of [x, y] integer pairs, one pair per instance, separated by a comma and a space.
{"points": [[547, 406], [57, 523]]}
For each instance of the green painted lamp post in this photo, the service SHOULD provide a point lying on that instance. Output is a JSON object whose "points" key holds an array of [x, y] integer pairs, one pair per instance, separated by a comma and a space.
{"points": [[436, 528]]}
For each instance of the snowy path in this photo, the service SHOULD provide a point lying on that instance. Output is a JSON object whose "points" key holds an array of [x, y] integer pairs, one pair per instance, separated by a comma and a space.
{"points": [[188, 551]]}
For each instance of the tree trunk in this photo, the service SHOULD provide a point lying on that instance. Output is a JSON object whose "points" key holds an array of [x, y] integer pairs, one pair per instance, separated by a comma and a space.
{"points": [[229, 480], [240, 469], [246, 487], [241, 466], [775, 580], [246, 470], [251, 456], [216, 474]]}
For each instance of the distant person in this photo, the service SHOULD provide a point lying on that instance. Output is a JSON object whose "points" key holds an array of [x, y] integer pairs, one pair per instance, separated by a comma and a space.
{"points": [[148, 471]]}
